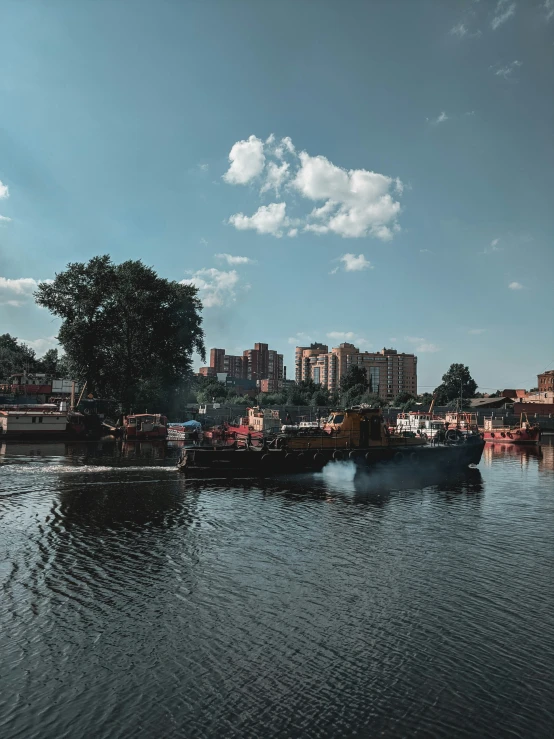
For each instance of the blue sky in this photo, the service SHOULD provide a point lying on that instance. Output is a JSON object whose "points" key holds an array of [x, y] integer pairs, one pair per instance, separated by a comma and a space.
{"points": [[384, 169]]}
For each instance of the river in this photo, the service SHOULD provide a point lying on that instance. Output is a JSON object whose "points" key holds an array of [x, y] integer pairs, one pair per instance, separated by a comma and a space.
{"points": [[136, 603]]}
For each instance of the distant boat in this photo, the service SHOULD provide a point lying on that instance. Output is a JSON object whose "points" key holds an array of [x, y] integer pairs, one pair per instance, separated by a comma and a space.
{"points": [[142, 426], [525, 433]]}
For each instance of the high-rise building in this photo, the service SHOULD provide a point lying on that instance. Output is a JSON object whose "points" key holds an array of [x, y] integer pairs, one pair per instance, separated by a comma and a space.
{"points": [[216, 359], [388, 373], [259, 363]]}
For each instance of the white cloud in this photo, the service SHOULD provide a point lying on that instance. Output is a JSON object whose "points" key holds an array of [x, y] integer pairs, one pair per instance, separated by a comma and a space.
{"points": [[494, 242], [232, 260], [352, 203], [276, 175], [422, 345], [4, 192], [292, 233], [5, 219], [300, 339], [216, 287], [351, 338], [515, 286], [41, 346], [203, 167], [507, 70], [425, 251], [441, 118], [16, 292], [357, 202], [247, 161], [286, 146], [353, 263], [549, 8], [476, 331], [503, 12], [470, 112], [460, 30], [268, 219]]}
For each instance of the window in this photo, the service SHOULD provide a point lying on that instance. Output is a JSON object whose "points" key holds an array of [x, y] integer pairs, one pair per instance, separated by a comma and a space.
{"points": [[34, 419], [40, 419]]}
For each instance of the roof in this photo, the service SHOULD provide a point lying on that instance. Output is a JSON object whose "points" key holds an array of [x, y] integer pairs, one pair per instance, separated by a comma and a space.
{"points": [[489, 402]]}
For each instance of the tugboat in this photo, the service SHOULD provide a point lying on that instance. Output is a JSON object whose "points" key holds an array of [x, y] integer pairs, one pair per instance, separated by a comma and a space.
{"points": [[142, 426], [497, 432], [357, 434]]}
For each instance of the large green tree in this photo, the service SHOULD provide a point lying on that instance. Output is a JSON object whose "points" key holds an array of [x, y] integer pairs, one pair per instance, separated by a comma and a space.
{"points": [[456, 383], [128, 333]]}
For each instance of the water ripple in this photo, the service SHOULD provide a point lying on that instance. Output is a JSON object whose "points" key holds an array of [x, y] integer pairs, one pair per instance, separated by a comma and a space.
{"points": [[137, 603]]}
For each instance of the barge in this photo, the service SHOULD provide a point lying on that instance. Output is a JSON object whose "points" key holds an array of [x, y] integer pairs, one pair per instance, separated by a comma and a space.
{"points": [[357, 435]]}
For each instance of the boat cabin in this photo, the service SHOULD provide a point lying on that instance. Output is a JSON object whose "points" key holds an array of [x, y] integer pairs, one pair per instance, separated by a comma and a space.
{"points": [[419, 423], [357, 427]]}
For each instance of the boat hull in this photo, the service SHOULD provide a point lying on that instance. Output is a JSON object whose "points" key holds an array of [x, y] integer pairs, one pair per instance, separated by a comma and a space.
{"points": [[154, 435], [250, 462], [522, 437]]}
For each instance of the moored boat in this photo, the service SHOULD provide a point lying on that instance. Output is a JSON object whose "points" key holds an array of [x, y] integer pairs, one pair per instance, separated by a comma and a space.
{"points": [[142, 426], [525, 433], [357, 434], [41, 422]]}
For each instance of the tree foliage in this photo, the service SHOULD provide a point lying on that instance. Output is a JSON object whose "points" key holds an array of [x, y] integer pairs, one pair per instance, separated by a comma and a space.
{"points": [[15, 357], [126, 331], [455, 383], [354, 376]]}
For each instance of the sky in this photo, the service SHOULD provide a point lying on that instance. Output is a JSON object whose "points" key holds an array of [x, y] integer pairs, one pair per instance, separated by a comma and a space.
{"points": [[379, 172]]}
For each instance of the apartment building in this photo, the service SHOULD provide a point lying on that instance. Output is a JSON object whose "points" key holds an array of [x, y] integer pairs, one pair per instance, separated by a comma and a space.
{"points": [[388, 373], [259, 363]]}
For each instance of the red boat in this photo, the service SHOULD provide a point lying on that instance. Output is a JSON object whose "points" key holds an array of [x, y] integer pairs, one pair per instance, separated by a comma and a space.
{"points": [[141, 426], [525, 433]]}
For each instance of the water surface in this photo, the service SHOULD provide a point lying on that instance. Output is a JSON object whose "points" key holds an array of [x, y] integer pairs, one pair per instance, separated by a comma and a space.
{"points": [[135, 603]]}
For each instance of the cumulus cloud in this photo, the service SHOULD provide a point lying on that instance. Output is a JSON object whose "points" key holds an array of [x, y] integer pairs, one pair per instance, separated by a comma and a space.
{"points": [[216, 287], [507, 70], [268, 219], [353, 263], [232, 260], [351, 203], [16, 292], [504, 10], [515, 286], [422, 345], [5, 219], [247, 161], [41, 346], [4, 192], [276, 175], [356, 202]]}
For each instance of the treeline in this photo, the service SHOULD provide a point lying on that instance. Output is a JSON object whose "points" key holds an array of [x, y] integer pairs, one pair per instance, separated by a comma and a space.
{"points": [[456, 389], [17, 357]]}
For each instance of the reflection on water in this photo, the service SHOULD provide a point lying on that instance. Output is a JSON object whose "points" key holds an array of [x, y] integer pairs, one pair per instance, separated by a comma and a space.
{"points": [[138, 603]]}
